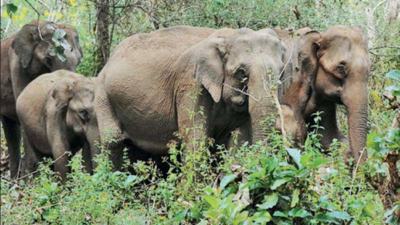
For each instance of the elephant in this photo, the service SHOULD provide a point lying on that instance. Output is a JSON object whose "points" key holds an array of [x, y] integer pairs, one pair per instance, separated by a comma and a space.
{"points": [[171, 80], [25, 56], [56, 112], [329, 68]]}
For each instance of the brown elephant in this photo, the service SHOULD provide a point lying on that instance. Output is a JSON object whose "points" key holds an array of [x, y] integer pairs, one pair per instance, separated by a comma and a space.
{"points": [[25, 56], [153, 83], [57, 116], [329, 68]]}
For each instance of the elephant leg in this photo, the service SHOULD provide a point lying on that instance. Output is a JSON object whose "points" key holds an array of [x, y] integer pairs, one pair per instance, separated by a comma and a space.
{"points": [[12, 132], [87, 158], [110, 131], [61, 164], [31, 159], [243, 136], [330, 129]]}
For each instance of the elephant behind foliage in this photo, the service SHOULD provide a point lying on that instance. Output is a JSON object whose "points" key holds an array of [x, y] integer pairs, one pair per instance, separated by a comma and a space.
{"points": [[146, 91], [56, 112], [329, 68], [25, 56]]}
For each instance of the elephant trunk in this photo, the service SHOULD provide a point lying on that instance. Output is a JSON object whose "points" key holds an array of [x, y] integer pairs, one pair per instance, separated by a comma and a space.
{"points": [[93, 138], [355, 99], [256, 116], [259, 103]]}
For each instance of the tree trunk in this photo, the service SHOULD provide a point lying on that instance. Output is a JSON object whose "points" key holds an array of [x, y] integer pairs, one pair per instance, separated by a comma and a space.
{"points": [[103, 37]]}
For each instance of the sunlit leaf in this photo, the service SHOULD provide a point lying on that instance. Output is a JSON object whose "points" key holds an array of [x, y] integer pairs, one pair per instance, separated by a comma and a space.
{"points": [[295, 197], [299, 212], [296, 155], [279, 182], [394, 74], [339, 215], [269, 201], [226, 180]]}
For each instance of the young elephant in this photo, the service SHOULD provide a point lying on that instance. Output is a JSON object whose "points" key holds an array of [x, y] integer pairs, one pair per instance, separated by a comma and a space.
{"points": [[57, 117]]}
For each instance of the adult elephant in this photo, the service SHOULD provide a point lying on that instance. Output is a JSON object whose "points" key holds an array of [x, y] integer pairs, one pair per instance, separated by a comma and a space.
{"points": [[25, 56], [57, 116], [329, 68], [153, 85]]}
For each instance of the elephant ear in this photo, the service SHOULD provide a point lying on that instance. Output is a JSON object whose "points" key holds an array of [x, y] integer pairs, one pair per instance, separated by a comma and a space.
{"points": [[308, 45], [62, 93], [286, 76], [306, 65], [24, 43], [210, 66]]}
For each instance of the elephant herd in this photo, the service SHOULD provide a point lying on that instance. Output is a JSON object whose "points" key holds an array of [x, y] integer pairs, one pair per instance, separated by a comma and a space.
{"points": [[170, 81]]}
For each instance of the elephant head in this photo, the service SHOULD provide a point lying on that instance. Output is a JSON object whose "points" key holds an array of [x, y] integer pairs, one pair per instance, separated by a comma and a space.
{"points": [[238, 67], [33, 43], [74, 99], [332, 68]]}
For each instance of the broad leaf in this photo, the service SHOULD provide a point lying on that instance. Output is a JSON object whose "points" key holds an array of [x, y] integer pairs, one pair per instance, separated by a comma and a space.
{"points": [[295, 197], [11, 8], [279, 183], [394, 74], [261, 217], [339, 215], [213, 201], [226, 180], [296, 155], [269, 201], [299, 212]]}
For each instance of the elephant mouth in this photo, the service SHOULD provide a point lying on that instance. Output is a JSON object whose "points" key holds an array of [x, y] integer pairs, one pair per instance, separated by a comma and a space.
{"points": [[240, 107]]}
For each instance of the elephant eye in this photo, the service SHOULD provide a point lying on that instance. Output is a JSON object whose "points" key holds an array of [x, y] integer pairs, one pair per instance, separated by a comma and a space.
{"points": [[341, 68], [242, 76], [84, 114]]}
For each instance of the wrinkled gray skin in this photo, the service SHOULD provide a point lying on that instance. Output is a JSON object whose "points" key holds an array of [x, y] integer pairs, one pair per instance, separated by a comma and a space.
{"points": [[144, 93], [56, 112], [329, 68], [25, 56]]}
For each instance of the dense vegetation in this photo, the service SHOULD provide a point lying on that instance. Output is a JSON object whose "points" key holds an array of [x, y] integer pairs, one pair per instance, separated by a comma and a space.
{"points": [[269, 181]]}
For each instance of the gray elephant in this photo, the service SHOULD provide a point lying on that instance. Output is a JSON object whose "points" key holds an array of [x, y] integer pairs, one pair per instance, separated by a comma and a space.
{"points": [[25, 56], [329, 68], [57, 116], [152, 81]]}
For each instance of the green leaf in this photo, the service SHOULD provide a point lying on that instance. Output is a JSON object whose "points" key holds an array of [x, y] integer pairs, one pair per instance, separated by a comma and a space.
{"points": [[62, 57], [280, 214], [279, 183], [213, 201], [129, 180], [181, 216], [269, 201], [394, 74], [59, 34], [368, 211], [339, 215], [52, 214], [318, 162], [299, 212], [295, 197], [226, 180], [11, 8], [326, 218], [296, 155], [261, 217]]}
